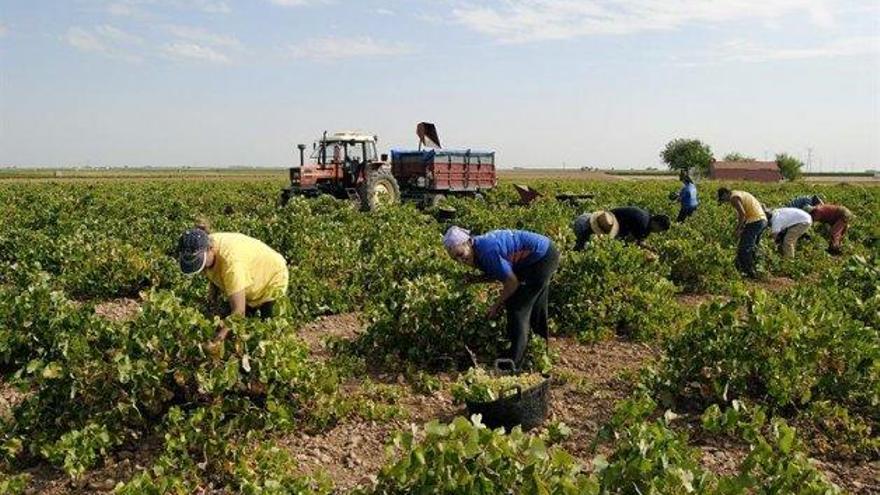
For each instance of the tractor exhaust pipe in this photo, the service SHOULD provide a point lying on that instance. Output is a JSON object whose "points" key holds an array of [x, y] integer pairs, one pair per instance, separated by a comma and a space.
{"points": [[302, 160]]}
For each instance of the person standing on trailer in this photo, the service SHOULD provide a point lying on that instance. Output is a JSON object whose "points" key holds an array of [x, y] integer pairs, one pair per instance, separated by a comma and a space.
{"points": [[687, 196], [524, 262], [787, 225], [802, 202], [250, 274], [837, 217], [750, 224], [629, 223]]}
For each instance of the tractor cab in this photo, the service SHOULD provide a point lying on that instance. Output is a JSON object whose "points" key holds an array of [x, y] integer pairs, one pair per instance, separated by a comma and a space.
{"points": [[347, 150]]}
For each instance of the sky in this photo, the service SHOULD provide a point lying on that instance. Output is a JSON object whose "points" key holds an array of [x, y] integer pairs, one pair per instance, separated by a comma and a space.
{"points": [[544, 83]]}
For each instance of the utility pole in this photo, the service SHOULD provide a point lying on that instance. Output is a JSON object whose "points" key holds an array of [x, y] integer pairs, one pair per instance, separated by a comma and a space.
{"points": [[809, 159]]}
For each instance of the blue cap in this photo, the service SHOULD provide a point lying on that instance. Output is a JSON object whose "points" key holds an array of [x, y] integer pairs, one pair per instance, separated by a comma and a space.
{"points": [[192, 249]]}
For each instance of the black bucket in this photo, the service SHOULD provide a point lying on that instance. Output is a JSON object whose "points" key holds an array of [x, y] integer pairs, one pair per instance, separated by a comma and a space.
{"points": [[527, 408]]}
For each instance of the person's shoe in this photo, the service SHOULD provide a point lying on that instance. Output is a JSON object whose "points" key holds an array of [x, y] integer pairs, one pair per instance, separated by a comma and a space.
{"points": [[833, 251]]}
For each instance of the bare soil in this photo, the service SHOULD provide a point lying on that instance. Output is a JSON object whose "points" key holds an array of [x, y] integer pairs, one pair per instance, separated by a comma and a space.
{"points": [[123, 309], [9, 398], [317, 333], [596, 377], [590, 379], [120, 467], [696, 300], [775, 284]]}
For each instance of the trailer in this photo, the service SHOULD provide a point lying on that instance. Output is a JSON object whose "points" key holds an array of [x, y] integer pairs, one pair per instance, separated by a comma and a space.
{"points": [[429, 176]]}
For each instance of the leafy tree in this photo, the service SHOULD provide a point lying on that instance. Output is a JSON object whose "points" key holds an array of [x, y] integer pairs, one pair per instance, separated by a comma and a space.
{"points": [[789, 166], [687, 154], [736, 156]]}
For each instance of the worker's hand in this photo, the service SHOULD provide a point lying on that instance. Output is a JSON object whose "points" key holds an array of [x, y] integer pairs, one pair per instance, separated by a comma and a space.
{"points": [[215, 349], [222, 332]]}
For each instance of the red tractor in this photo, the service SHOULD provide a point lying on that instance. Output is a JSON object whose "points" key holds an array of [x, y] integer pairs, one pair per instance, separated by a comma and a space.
{"points": [[346, 165]]}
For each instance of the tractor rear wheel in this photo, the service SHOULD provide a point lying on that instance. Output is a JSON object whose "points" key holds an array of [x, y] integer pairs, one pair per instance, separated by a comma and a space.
{"points": [[380, 189]]}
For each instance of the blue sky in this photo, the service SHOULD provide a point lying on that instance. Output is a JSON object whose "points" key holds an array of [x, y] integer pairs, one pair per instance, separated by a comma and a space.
{"points": [[543, 82]]}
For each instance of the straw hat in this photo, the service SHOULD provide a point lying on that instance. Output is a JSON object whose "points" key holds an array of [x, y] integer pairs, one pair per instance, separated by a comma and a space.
{"points": [[604, 223]]}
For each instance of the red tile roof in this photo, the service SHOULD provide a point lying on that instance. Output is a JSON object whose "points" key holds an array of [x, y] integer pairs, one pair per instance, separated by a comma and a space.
{"points": [[745, 165]]}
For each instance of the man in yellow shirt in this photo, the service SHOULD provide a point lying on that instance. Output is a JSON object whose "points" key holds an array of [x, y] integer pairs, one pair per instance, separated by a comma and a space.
{"points": [[750, 224], [249, 273]]}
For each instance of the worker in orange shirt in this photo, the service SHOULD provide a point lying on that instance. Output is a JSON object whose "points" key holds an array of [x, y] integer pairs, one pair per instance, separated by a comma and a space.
{"points": [[835, 216]]}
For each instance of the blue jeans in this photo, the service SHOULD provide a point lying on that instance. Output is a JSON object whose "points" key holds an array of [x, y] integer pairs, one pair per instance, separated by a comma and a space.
{"points": [[747, 250]]}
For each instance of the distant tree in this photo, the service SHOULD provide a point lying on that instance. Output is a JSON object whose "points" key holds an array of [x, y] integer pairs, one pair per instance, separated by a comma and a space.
{"points": [[736, 156], [687, 154], [789, 166]]}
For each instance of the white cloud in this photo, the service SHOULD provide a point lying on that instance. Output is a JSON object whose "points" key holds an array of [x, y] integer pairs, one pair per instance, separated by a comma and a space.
{"points": [[748, 51], [298, 3], [124, 8], [198, 44], [209, 6], [106, 40], [339, 48], [142, 8], [192, 33], [117, 36], [187, 50], [82, 39], [518, 21], [384, 12]]}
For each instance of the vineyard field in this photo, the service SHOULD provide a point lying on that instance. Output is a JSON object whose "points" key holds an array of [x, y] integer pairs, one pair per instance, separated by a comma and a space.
{"points": [[670, 373]]}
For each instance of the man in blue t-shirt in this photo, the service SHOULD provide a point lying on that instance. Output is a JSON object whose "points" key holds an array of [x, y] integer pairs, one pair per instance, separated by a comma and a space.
{"points": [[523, 262], [687, 196]]}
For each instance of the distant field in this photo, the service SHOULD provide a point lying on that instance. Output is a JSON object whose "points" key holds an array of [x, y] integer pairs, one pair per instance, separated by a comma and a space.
{"points": [[281, 174]]}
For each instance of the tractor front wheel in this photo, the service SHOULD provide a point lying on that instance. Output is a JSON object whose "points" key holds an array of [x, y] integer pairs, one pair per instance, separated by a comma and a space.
{"points": [[380, 189]]}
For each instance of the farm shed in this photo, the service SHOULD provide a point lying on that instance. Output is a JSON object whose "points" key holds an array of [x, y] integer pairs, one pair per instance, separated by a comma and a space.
{"points": [[752, 170]]}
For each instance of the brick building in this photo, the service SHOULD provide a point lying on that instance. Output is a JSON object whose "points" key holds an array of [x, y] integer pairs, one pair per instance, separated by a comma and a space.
{"points": [[754, 171]]}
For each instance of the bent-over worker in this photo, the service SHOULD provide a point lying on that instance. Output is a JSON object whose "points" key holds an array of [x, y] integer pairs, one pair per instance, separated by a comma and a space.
{"points": [[750, 224], [628, 223], [805, 201], [787, 226], [250, 274], [523, 262], [837, 217]]}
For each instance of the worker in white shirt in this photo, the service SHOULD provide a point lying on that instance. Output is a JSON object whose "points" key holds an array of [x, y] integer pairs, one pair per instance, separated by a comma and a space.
{"points": [[787, 225]]}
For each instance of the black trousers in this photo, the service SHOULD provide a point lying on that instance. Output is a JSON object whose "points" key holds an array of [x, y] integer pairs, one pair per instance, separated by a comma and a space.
{"points": [[685, 212], [527, 307], [264, 311]]}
